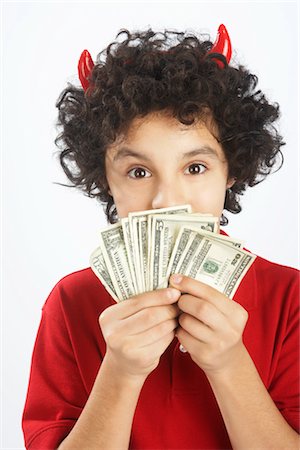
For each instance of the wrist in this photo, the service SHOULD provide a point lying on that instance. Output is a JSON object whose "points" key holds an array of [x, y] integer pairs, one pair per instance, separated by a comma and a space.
{"points": [[119, 377], [238, 365]]}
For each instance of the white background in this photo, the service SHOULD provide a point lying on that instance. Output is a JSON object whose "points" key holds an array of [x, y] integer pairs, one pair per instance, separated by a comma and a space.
{"points": [[50, 231]]}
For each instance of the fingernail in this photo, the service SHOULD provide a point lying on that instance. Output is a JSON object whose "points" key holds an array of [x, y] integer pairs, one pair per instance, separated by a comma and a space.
{"points": [[173, 293], [176, 278]]}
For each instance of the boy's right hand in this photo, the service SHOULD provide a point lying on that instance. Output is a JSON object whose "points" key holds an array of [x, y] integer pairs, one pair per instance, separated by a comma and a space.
{"points": [[137, 331]]}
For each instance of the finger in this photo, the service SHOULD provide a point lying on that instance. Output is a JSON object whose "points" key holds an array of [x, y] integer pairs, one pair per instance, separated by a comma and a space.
{"points": [[202, 310], [148, 318], [158, 348], [198, 289], [150, 344], [149, 337], [188, 342], [139, 302], [156, 333], [195, 328]]}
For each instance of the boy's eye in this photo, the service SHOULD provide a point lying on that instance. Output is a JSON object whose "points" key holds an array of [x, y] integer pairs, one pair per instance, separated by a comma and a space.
{"points": [[138, 172], [196, 168]]}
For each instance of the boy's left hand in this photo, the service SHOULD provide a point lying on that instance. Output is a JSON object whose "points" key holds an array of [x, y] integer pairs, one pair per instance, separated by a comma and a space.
{"points": [[210, 327]]}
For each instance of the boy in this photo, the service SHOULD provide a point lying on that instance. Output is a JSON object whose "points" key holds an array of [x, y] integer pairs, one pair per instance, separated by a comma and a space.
{"points": [[164, 120]]}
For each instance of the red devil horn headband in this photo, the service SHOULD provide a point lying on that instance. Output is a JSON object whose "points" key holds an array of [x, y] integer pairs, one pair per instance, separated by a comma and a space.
{"points": [[85, 67], [222, 46]]}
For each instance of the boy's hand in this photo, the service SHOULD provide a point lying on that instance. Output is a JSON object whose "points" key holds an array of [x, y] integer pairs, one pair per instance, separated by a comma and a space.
{"points": [[137, 331], [211, 325]]}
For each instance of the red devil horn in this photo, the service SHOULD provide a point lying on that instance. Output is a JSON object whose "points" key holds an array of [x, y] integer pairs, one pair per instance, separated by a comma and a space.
{"points": [[85, 67], [222, 45]]}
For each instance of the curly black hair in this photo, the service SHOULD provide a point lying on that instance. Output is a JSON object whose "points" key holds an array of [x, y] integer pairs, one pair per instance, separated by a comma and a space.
{"points": [[146, 71]]}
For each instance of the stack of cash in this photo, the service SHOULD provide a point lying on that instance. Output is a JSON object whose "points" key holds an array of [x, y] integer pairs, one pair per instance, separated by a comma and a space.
{"points": [[139, 253]]}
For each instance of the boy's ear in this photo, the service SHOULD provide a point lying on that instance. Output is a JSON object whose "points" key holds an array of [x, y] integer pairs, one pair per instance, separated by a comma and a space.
{"points": [[230, 182]]}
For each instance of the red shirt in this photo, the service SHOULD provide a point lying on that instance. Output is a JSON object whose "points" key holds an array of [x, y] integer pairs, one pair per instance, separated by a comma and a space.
{"points": [[176, 407]]}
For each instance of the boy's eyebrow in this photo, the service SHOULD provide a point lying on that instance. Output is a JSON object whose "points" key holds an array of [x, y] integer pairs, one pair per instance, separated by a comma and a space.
{"points": [[125, 152], [204, 150]]}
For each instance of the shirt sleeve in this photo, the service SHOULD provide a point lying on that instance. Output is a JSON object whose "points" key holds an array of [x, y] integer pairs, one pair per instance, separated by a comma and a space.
{"points": [[56, 393]]}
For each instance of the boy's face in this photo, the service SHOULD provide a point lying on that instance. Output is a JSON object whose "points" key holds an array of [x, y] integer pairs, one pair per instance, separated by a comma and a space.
{"points": [[161, 162]]}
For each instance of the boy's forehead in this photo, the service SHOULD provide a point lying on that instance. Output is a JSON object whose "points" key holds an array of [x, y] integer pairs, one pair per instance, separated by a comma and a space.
{"points": [[158, 120], [147, 134]]}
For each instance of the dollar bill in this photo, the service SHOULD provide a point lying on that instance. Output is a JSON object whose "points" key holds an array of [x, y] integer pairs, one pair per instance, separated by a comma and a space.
{"points": [[163, 233], [114, 252], [139, 230], [217, 264], [100, 269], [140, 252], [187, 233], [226, 240], [130, 252], [135, 240], [143, 221]]}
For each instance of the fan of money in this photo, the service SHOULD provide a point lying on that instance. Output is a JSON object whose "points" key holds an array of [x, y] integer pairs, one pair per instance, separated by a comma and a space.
{"points": [[139, 253]]}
